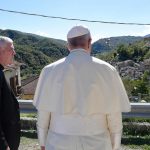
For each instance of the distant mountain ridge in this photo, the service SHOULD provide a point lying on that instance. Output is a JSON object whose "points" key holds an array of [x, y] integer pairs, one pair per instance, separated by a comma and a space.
{"points": [[37, 51], [147, 36], [108, 44]]}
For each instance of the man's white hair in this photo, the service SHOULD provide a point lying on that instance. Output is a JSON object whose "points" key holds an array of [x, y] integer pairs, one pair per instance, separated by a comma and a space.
{"points": [[4, 41]]}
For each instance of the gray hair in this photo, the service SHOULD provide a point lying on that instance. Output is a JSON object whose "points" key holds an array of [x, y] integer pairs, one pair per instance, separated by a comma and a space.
{"points": [[79, 41], [4, 41]]}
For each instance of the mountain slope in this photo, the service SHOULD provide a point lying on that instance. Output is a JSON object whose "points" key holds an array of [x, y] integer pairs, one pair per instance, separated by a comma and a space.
{"points": [[108, 44], [35, 51]]}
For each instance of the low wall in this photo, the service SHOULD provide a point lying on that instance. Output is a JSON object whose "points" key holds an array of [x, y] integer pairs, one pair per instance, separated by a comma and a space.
{"points": [[137, 109]]}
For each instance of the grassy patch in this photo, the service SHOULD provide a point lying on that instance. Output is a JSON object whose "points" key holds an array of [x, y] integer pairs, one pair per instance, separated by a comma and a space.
{"points": [[136, 140], [136, 129], [137, 119], [31, 115], [29, 144], [32, 144], [29, 134], [141, 147]]}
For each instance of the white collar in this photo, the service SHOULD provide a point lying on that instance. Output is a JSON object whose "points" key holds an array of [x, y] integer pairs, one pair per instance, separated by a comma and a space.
{"points": [[79, 50]]}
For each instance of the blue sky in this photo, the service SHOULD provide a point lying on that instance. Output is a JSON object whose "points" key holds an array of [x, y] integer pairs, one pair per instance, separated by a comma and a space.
{"points": [[106, 10]]}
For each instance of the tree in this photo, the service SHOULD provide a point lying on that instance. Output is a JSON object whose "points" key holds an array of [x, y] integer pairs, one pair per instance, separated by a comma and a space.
{"points": [[140, 87], [122, 52]]}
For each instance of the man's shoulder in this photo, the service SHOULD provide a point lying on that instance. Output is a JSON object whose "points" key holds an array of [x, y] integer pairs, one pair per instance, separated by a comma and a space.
{"points": [[102, 63], [54, 64], [1, 74]]}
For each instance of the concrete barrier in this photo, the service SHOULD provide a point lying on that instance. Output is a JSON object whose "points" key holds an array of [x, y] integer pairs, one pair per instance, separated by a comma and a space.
{"points": [[137, 109]]}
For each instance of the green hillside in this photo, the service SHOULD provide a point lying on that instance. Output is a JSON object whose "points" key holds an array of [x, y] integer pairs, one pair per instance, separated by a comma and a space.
{"points": [[137, 51], [35, 51], [108, 44]]}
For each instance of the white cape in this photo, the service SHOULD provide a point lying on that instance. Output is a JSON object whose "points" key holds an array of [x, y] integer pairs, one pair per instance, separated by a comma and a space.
{"points": [[83, 83]]}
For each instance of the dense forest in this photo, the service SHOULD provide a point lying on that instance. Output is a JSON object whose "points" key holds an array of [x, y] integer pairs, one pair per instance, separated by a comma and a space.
{"points": [[138, 52], [35, 51]]}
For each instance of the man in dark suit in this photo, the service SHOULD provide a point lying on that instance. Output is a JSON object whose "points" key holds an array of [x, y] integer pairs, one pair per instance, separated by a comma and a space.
{"points": [[9, 107]]}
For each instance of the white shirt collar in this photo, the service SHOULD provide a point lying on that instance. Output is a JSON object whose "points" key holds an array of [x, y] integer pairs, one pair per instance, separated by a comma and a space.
{"points": [[79, 50]]}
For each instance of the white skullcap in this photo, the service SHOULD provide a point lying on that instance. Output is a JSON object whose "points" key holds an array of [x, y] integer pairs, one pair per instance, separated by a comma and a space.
{"points": [[77, 31]]}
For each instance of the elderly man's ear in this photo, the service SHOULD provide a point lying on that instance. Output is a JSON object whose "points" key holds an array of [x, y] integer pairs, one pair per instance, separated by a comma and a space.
{"points": [[89, 42], [68, 46]]}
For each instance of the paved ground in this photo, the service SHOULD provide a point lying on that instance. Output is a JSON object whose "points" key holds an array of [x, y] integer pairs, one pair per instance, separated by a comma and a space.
{"points": [[32, 144], [29, 144]]}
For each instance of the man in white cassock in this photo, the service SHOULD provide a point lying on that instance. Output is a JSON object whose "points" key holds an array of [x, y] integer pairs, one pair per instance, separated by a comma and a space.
{"points": [[80, 100]]}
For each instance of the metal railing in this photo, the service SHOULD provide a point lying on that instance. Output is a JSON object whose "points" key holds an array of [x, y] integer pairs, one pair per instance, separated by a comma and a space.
{"points": [[137, 109]]}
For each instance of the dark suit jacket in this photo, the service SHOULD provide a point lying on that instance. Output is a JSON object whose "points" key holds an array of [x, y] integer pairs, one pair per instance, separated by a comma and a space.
{"points": [[9, 116]]}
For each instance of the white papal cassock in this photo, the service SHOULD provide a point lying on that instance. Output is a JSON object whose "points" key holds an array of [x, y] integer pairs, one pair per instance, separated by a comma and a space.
{"points": [[80, 98]]}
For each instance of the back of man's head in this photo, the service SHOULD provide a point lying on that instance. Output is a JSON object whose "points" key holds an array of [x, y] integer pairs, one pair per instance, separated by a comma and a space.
{"points": [[79, 37]]}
